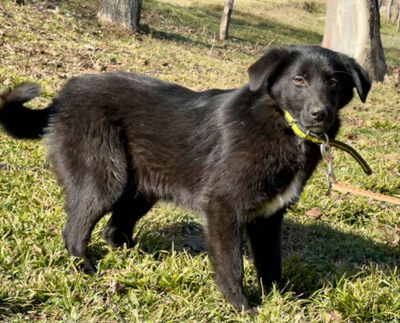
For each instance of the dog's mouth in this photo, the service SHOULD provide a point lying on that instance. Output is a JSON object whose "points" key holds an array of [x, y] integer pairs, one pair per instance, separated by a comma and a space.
{"points": [[317, 129]]}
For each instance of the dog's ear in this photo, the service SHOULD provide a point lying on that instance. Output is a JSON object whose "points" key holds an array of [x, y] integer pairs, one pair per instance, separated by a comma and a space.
{"points": [[361, 79], [267, 66]]}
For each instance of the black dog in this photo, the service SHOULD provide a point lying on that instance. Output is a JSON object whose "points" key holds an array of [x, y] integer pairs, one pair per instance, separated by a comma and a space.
{"points": [[120, 141]]}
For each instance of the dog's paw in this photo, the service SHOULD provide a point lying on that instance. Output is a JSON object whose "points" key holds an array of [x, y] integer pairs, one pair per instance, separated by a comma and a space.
{"points": [[254, 311], [86, 266], [117, 239]]}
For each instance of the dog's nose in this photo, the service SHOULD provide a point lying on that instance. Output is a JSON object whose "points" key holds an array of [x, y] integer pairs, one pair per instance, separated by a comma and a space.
{"points": [[319, 114]]}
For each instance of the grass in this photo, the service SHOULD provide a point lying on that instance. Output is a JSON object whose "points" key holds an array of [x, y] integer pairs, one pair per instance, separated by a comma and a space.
{"points": [[340, 268]]}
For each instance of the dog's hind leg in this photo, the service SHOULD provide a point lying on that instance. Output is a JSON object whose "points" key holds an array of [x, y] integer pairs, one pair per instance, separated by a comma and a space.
{"points": [[83, 215], [88, 199], [92, 166], [126, 212]]}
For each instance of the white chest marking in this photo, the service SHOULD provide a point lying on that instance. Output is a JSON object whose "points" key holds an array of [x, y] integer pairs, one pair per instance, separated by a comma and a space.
{"points": [[290, 194]]}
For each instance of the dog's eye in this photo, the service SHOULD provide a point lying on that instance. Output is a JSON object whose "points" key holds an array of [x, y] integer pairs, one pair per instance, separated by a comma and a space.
{"points": [[333, 82], [299, 80]]}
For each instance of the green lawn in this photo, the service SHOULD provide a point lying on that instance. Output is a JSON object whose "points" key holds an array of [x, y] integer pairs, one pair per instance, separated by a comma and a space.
{"points": [[340, 268]]}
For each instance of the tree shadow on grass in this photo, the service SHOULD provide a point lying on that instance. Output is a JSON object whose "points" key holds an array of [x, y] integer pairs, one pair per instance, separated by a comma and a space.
{"points": [[261, 29], [177, 38]]}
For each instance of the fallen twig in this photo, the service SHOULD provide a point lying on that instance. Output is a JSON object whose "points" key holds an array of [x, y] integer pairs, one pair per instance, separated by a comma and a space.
{"points": [[356, 191]]}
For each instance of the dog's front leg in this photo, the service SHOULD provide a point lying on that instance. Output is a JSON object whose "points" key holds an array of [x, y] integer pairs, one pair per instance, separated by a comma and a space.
{"points": [[264, 235], [224, 242]]}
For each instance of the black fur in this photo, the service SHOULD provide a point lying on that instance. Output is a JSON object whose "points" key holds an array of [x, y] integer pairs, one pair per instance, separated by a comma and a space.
{"points": [[120, 141], [17, 120]]}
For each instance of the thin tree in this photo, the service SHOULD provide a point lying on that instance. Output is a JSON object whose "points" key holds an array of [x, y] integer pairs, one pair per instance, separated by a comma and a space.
{"points": [[398, 19], [226, 20], [123, 12], [353, 27], [389, 10]]}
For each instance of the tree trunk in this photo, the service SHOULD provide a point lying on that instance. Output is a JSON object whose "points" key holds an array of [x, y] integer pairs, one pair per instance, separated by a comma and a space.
{"points": [[398, 21], [123, 12], [226, 20], [352, 27], [389, 10]]}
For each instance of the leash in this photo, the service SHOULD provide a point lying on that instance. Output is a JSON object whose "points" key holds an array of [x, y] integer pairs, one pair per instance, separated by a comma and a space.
{"points": [[325, 145]]}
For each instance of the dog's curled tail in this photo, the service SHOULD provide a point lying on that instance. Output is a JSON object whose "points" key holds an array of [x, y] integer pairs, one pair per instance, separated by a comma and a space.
{"points": [[19, 121]]}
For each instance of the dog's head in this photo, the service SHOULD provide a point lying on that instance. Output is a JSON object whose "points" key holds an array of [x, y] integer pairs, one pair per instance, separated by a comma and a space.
{"points": [[311, 82]]}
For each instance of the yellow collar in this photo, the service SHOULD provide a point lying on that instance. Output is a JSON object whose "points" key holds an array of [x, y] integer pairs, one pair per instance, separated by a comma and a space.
{"points": [[335, 143]]}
